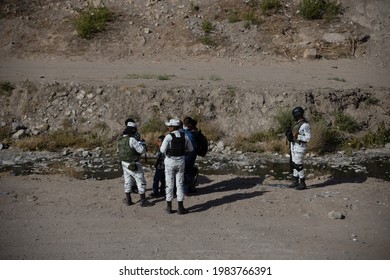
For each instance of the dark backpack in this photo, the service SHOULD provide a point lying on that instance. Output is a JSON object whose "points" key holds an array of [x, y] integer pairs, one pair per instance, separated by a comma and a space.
{"points": [[202, 145]]}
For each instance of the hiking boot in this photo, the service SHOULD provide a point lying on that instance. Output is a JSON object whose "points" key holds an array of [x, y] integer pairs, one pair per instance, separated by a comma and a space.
{"points": [[154, 195], [168, 209], [301, 185], [144, 202], [295, 182], [181, 210], [128, 199]]}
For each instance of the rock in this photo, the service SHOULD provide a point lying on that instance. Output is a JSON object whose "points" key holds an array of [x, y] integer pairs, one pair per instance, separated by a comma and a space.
{"points": [[19, 134], [310, 53], [334, 38], [336, 215]]}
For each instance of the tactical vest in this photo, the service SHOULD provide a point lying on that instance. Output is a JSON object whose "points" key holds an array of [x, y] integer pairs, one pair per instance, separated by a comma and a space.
{"points": [[126, 153], [177, 145], [297, 126]]}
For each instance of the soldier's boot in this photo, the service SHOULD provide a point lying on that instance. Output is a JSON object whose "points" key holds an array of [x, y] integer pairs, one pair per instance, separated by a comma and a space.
{"points": [[295, 182], [144, 202], [302, 184], [181, 210], [168, 209], [128, 199]]}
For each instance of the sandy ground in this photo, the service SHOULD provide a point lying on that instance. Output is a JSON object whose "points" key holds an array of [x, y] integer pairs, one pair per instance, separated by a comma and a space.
{"points": [[304, 74], [243, 218]]}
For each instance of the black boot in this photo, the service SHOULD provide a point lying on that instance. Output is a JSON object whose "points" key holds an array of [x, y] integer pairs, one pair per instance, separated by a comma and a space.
{"points": [[144, 202], [302, 184], [181, 210], [169, 207], [295, 182], [128, 199]]}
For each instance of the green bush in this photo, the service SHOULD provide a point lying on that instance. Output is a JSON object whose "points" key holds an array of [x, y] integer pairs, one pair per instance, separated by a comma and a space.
{"points": [[267, 5], [92, 21], [251, 18], [371, 100], [346, 123], [5, 133], [311, 9], [208, 41], [324, 138], [234, 17], [154, 125], [332, 9], [284, 120], [379, 138], [6, 88], [317, 9]]}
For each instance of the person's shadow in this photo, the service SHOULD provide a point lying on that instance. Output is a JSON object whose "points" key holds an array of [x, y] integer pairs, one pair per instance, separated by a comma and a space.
{"points": [[237, 184], [336, 181]]}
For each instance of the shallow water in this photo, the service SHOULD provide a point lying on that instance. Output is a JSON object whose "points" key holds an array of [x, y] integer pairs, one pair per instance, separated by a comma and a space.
{"points": [[378, 167]]}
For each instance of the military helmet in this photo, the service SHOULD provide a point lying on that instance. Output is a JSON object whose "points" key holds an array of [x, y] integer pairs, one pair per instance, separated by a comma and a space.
{"points": [[298, 113]]}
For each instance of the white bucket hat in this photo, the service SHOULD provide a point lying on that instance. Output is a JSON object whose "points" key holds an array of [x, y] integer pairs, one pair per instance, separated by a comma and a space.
{"points": [[173, 122]]}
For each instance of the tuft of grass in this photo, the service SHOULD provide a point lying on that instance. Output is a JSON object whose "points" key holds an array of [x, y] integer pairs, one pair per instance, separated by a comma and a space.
{"points": [[371, 100], [92, 21], [154, 125], [337, 79], [317, 9], [208, 41], [148, 76], [251, 18], [207, 26], [379, 138], [325, 139], [194, 7], [164, 77], [234, 17], [311, 9], [5, 133], [332, 9], [346, 123], [6, 88], [269, 5], [215, 78]]}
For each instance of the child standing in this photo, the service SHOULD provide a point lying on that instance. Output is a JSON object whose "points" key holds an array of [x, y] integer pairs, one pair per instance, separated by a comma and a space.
{"points": [[159, 175]]}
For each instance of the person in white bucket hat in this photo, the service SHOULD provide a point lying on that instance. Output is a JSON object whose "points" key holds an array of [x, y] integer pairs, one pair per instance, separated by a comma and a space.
{"points": [[174, 146]]}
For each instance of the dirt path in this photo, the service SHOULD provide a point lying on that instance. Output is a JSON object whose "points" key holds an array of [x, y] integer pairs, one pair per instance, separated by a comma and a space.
{"points": [[298, 74], [55, 217]]}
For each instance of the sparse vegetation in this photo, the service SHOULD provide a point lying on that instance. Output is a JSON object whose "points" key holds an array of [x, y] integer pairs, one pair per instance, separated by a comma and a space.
{"points": [[371, 100], [325, 138], [208, 41], [346, 123], [147, 76], [338, 79], [63, 138], [251, 18], [92, 21], [194, 7], [317, 9], [5, 133], [269, 5], [207, 26], [284, 121], [6, 88], [215, 78]]}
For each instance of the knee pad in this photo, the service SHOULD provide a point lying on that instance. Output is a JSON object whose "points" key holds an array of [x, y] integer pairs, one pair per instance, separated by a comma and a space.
{"points": [[298, 167]]}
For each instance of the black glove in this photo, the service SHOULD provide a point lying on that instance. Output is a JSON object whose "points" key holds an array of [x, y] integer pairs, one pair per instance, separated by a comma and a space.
{"points": [[289, 135]]}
